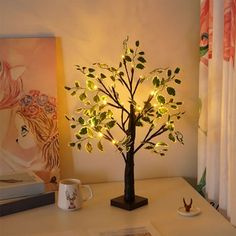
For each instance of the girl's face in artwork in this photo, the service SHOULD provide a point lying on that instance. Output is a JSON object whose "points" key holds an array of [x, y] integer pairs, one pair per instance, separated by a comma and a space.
{"points": [[25, 137]]}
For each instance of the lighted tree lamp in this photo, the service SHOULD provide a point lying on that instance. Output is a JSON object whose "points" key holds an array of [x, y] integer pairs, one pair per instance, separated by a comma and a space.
{"points": [[100, 94]]}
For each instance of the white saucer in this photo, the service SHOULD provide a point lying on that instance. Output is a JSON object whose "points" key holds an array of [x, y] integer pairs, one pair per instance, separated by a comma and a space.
{"points": [[193, 211]]}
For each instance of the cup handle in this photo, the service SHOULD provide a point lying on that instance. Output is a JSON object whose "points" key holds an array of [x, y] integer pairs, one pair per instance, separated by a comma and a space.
{"points": [[90, 192]]}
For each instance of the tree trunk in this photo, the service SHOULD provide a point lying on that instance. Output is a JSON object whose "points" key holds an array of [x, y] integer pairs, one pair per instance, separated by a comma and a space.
{"points": [[129, 191]]}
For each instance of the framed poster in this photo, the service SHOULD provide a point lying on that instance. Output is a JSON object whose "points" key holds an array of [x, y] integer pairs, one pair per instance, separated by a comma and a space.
{"points": [[28, 114]]}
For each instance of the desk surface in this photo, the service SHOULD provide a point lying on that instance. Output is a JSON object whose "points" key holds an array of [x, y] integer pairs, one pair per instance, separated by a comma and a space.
{"points": [[164, 195]]}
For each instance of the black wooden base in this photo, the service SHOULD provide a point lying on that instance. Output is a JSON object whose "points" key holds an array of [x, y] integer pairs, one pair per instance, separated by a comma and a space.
{"points": [[121, 203]]}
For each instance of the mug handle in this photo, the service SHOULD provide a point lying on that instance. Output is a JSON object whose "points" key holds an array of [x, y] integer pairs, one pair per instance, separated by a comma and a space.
{"points": [[90, 192]]}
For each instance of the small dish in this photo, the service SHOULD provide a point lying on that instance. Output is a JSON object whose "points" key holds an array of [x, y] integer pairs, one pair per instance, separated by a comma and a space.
{"points": [[193, 211]]}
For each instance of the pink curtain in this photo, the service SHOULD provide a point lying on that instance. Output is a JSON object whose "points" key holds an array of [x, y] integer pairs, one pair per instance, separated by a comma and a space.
{"points": [[217, 93]]}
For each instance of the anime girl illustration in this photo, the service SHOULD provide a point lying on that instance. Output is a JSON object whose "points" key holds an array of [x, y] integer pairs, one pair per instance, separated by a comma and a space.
{"points": [[36, 123]]}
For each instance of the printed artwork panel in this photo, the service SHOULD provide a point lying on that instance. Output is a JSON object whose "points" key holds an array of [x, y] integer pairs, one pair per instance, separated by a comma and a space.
{"points": [[28, 117]]}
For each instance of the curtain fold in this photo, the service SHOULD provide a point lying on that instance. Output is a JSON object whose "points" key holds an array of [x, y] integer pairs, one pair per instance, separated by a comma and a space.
{"points": [[217, 93]]}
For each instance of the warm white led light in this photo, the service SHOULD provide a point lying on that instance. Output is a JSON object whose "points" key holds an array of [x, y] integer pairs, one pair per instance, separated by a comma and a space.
{"points": [[139, 108]]}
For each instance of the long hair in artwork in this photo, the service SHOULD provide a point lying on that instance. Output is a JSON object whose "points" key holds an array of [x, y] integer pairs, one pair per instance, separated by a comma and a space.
{"points": [[39, 112]]}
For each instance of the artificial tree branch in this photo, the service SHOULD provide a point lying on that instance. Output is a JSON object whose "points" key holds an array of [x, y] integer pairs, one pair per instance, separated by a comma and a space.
{"points": [[161, 130], [113, 105], [158, 132], [141, 113], [131, 83], [122, 120], [119, 107], [111, 138], [121, 127], [107, 92], [126, 85], [136, 86], [101, 90], [126, 70]]}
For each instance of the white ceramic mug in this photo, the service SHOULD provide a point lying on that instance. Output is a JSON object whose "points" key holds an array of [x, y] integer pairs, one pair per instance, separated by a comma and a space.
{"points": [[70, 196]]}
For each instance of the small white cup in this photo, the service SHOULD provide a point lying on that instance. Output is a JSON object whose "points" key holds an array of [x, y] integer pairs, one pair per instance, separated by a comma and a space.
{"points": [[70, 196]]}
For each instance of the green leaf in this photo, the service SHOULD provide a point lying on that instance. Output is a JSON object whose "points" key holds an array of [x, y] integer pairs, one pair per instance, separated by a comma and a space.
{"points": [[139, 123], [163, 144], [174, 106], [121, 73], [110, 124], [77, 85], [82, 96], [91, 70], [141, 53], [95, 121], [83, 131], [90, 133], [128, 58], [171, 127], [162, 110], [158, 114], [169, 72], [113, 69], [171, 137], [161, 99], [91, 75], [112, 78], [103, 115], [141, 59], [109, 114], [156, 82], [146, 119], [179, 103], [137, 43], [73, 93], [171, 91], [98, 128], [90, 85], [77, 136], [73, 126], [67, 88], [102, 76], [96, 99], [89, 147], [149, 147], [177, 81], [140, 66], [71, 144], [81, 120], [79, 146], [177, 70], [100, 146], [78, 110]]}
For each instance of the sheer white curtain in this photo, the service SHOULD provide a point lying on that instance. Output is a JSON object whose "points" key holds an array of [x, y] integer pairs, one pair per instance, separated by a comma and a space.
{"points": [[217, 93]]}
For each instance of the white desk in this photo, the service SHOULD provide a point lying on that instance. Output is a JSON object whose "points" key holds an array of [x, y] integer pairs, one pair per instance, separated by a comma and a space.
{"points": [[164, 195]]}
